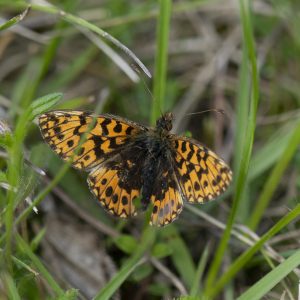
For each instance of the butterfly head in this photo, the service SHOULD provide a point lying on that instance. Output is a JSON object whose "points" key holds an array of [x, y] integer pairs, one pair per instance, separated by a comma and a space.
{"points": [[165, 122]]}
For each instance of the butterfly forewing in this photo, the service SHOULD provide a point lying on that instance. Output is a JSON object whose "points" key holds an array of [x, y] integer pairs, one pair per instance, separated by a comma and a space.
{"points": [[201, 174], [63, 130]]}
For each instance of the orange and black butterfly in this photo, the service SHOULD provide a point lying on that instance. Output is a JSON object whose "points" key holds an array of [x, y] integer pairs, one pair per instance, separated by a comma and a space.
{"points": [[126, 160]]}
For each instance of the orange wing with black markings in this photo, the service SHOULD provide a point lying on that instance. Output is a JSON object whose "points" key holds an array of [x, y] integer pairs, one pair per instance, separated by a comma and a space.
{"points": [[63, 130], [201, 174], [116, 184], [167, 200]]}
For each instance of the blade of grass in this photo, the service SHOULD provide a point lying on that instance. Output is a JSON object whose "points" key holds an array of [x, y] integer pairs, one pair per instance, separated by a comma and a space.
{"points": [[195, 290], [52, 46], [85, 24], [15, 164], [161, 59], [147, 14], [248, 254], [73, 69], [241, 174], [112, 54], [181, 256], [51, 9], [146, 243], [274, 178], [264, 285], [39, 265], [11, 289], [25, 88], [271, 151], [15, 19], [242, 111]]}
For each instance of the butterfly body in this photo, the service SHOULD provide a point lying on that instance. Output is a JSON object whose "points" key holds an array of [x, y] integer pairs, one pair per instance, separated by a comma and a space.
{"points": [[128, 161]]}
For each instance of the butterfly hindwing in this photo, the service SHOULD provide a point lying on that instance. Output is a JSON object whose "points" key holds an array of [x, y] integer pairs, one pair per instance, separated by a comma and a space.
{"points": [[167, 201], [116, 184], [63, 130], [161, 189], [202, 175]]}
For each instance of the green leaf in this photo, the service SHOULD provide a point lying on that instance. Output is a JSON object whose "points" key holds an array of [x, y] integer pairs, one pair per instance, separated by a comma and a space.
{"points": [[161, 250], [181, 256], [264, 285], [43, 104], [126, 243], [159, 289], [142, 272]]}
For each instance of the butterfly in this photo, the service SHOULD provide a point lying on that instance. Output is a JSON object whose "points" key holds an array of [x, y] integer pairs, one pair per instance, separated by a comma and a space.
{"points": [[128, 162]]}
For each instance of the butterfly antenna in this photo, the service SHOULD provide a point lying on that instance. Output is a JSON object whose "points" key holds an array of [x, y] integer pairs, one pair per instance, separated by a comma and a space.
{"points": [[146, 86], [216, 110]]}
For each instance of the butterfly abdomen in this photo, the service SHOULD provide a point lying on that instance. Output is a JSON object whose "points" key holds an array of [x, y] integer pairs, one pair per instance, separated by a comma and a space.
{"points": [[155, 163]]}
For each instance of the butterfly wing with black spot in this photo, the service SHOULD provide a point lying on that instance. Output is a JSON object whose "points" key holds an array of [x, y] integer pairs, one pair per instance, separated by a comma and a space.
{"points": [[167, 200], [161, 188], [201, 174], [63, 130], [117, 182]]}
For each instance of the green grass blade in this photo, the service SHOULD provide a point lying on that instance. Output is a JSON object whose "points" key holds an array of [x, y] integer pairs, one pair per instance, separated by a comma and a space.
{"points": [[247, 255], [195, 290], [274, 178], [264, 285], [15, 162], [181, 257], [241, 174], [75, 68], [10, 287], [38, 264], [161, 59], [271, 151], [14, 20], [51, 9], [134, 261], [242, 109]]}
